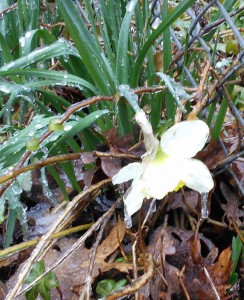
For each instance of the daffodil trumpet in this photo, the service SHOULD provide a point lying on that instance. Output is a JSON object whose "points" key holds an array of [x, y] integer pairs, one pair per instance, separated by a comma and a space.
{"points": [[167, 164]]}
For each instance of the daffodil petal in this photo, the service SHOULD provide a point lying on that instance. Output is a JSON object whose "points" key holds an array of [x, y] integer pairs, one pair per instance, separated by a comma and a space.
{"points": [[161, 177], [127, 173], [134, 196], [196, 175], [185, 139]]}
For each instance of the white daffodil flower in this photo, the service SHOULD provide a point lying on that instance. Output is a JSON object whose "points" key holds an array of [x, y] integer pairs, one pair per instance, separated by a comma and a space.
{"points": [[168, 165]]}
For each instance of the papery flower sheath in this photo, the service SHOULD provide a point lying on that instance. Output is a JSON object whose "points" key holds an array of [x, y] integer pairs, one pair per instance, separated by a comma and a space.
{"points": [[169, 167]]}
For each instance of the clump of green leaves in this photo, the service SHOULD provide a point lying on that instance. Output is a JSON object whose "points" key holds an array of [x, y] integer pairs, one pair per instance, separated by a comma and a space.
{"points": [[106, 286], [237, 254], [43, 286]]}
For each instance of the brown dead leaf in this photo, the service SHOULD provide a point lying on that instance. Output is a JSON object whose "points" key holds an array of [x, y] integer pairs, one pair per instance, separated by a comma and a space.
{"points": [[117, 145], [221, 270], [232, 210], [121, 144], [187, 255], [212, 154], [238, 168], [87, 158], [110, 166], [188, 202], [111, 243]]}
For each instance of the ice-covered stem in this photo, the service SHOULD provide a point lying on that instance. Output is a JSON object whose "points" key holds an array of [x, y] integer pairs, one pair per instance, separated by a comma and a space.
{"points": [[151, 143], [125, 91]]}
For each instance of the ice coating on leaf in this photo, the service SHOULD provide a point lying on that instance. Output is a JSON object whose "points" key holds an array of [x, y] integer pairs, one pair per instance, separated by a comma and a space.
{"points": [[125, 91], [175, 89], [131, 5], [28, 34], [22, 41], [204, 205], [142, 120]]}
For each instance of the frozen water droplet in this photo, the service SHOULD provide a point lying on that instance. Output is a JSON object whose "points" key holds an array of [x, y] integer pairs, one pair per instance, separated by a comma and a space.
{"points": [[38, 126], [22, 41], [153, 206], [204, 205], [16, 189], [66, 58], [4, 90], [127, 219], [67, 127], [28, 34]]}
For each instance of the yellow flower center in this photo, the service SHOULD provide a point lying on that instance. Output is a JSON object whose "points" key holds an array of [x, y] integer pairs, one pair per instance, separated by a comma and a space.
{"points": [[160, 156], [180, 185]]}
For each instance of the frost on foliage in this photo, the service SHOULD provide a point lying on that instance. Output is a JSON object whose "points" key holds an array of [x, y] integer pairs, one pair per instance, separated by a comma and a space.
{"points": [[175, 89], [12, 197], [167, 165]]}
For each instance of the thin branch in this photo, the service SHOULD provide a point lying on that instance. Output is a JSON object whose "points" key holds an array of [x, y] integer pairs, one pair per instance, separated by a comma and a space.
{"points": [[39, 164], [34, 242], [137, 284], [93, 252]]}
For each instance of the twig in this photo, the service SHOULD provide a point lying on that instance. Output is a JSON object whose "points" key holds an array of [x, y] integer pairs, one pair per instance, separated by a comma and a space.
{"points": [[235, 112], [237, 230], [92, 260], [31, 243], [180, 275], [211, 283], [238, 183], [230, 23], [199, 95], [72, 109], [116, 155], [227, 161], [39, 164], [61, 158], [136, 285], [11, 7], [214, 24], [135, 264], [217, 223]]}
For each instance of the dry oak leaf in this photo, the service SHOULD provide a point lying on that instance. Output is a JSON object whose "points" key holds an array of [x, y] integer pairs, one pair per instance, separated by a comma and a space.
{"points": [[174, 250]]}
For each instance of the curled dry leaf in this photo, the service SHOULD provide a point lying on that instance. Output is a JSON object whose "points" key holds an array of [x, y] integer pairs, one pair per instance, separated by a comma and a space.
{"points": [[238, 168], [188, 202], [110, 166], [212, 154], [117, 145], [232, 209]]}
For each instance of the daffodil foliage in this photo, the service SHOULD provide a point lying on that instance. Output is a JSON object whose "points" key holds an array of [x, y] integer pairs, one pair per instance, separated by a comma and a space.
{"points": [[167, 165]]}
